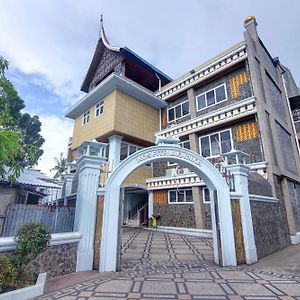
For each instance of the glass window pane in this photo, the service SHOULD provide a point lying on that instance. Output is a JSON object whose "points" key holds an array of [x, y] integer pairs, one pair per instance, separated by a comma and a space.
{"points": [[123, 151], [225, 141], [188, 196], [171, 115], [178, 113], [132, 149], [201, 102], [215, 144], [180, 196], [172, 196], [186, 145], [210, 98], [220, 93], [206, 195], [205, 151], [185, 108]]}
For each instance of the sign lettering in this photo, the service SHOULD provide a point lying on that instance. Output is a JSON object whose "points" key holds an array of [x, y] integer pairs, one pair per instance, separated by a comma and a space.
{"points": [[170, 153]]}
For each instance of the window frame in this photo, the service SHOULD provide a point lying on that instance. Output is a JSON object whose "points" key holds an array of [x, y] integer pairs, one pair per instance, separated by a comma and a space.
{"points": [[203, 196], [215, 103], [170, 164], [180, 189], [86, 117], [174, 107], [137, 147], [219, 134], [98, 109]]}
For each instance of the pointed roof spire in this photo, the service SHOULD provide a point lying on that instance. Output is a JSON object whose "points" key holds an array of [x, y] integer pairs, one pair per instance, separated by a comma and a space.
{"points": [[104, 38]]}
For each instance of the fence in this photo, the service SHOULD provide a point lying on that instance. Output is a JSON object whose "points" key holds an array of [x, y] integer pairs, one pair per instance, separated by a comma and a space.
{"points": [[58, 219]]}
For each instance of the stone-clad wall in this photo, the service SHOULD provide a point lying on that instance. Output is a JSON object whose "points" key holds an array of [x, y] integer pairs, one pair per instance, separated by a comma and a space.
{"points": [[253, 146], [56, 260], [176, 215], [206, 216], [270, 225], [245, 90], [294, 194]]}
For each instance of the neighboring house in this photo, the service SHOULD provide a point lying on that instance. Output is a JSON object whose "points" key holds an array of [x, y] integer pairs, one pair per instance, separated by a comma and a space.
{"points": [[31, 187], [237, 100]]}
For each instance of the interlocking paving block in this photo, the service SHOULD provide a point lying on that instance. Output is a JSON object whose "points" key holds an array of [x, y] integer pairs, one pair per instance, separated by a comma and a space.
{"points": [[204, 288], [291, 289], [251, 289], [120, 286], [234, 275], [163, 287]]}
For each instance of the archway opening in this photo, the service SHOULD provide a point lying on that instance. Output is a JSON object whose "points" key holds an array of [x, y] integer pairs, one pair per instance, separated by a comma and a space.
{"points": [[223, 238]]}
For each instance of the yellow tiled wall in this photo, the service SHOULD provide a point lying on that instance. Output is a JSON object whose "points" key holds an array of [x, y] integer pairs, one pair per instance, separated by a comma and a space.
{"points": [[122, 113], [135, 118], [138, 176], [246, 132], [96, 126], [235, 83]]}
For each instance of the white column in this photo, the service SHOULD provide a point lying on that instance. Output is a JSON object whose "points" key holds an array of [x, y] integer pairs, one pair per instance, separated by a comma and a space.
{"points": [[68, 183], [86, 204], [240, 173], [150, 204], [214, 226], [114, 151]]}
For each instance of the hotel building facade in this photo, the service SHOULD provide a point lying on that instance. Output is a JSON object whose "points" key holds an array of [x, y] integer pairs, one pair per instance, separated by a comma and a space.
{"points": [[242, 99]]}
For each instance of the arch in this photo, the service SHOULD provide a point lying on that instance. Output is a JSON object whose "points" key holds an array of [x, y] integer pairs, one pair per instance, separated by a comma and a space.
{"points": [[203, 168]]}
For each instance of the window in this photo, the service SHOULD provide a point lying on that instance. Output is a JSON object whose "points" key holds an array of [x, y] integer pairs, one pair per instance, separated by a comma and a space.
{"points": [[128, 149], [211, 97], [99, 108], [205, 195], [180, 196], [86, 117], [183, 144], [216, 144], [178, 111]]}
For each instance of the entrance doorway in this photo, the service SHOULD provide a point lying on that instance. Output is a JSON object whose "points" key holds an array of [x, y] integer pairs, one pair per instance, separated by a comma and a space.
{"points": [[135, 207]]}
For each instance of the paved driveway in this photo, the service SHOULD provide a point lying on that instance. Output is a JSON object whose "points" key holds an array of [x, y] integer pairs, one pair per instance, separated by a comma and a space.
{"points": [[169, 266]]}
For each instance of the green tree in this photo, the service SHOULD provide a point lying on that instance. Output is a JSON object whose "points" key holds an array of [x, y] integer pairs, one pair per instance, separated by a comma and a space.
{"points": [[60, 167], [20, 139]]}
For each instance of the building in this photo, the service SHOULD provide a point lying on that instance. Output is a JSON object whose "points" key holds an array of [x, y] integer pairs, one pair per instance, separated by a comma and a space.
{"points": [[242, 99], [30, 187]]}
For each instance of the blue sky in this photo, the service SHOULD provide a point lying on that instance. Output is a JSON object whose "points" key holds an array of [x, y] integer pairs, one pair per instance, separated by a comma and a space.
{"points": [[50, 43]]}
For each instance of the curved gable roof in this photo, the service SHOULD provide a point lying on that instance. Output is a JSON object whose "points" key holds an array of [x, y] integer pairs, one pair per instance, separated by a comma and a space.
{"points": [[125, 52]]}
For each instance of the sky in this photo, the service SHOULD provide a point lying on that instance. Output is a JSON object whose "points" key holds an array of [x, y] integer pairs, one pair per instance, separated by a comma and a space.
{"points": [[50, 43]]}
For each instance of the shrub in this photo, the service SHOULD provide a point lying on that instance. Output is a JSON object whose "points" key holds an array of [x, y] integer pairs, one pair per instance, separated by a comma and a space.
{"points": [[11, 277], [31, 240]]}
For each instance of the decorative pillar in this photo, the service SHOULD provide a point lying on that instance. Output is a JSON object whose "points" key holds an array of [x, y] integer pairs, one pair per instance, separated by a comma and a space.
{"points": [[114, 151], [91, 155], [69, 179], [240, 171]]}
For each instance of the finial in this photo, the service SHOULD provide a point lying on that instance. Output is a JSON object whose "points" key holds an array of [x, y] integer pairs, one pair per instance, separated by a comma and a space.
{"points": [[101, 19], [250, 19]]}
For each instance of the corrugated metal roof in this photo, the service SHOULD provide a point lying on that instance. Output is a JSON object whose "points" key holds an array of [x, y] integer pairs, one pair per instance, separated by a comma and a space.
{"points": [[35, 178]]}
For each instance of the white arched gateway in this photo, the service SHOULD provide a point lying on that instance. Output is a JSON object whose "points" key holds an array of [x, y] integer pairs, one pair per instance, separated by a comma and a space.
{"points": [[223, 236]]}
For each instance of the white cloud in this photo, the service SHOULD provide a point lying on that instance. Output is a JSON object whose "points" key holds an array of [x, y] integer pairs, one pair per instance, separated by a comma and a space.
{"points": [[56, 132], [57, 38]]}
